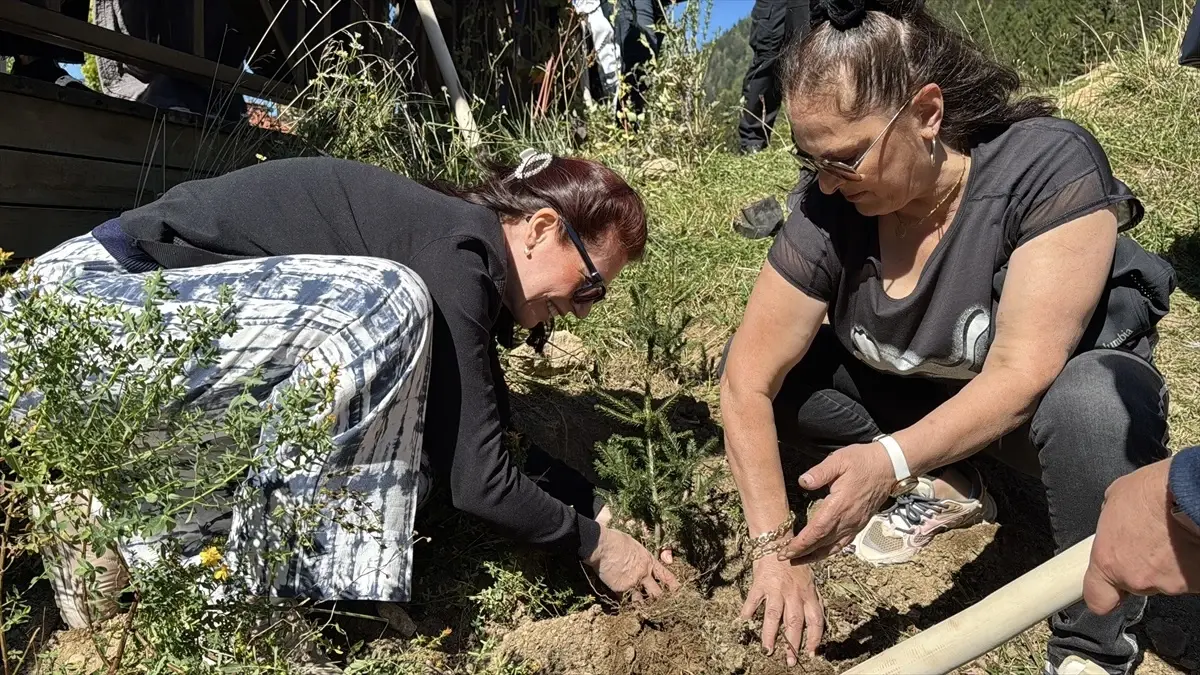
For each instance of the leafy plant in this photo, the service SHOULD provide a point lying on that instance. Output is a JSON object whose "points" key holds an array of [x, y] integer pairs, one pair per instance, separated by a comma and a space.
{"points": [[513, 598], [92, 411]]}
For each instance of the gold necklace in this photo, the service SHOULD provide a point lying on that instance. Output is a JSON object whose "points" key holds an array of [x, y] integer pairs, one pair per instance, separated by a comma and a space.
{"points": [[902, 229]]}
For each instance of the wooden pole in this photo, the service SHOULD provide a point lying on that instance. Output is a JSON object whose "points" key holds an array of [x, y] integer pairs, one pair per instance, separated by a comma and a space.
{"points": [[462, 109], [1052, 586]]}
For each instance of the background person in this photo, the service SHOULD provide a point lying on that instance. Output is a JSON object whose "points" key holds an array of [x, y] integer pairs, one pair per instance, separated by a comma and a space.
{"points": [[772, 24]]}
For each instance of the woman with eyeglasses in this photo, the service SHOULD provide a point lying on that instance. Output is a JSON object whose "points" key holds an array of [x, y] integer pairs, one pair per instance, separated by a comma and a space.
{"points": [[963, 244], [405, 290]]}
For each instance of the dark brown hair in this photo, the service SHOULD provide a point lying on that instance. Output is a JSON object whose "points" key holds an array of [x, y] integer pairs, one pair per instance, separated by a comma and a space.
{"points": [[874, 54], [597, 202]]}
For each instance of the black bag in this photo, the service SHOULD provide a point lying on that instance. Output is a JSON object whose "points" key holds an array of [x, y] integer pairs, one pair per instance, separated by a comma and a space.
{"points": [[1189, 52]]}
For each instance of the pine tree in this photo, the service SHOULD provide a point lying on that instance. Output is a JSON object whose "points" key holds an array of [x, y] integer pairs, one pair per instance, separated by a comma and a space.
{"points": [[658, 474]]}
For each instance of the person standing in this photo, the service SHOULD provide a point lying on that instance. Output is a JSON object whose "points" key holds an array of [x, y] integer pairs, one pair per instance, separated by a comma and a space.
{"points": [[773, 23]]}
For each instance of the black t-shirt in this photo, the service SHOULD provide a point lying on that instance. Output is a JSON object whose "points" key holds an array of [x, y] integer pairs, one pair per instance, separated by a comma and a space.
{"points": [[1039, 174], [337, 207]]}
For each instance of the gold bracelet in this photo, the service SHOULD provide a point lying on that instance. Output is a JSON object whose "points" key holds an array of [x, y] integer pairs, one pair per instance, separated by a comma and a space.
{"points": [[773, 541]]}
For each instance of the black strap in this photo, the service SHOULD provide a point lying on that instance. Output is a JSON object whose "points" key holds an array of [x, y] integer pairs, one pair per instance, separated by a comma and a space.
{"points": [[173, 256]]}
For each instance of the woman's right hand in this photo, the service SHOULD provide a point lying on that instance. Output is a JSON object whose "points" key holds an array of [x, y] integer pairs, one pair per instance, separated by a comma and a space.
{"points": [[790, 595], [624, 565]]}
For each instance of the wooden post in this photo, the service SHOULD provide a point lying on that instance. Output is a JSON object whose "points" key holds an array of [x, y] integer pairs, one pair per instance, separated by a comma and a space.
{"points": [[462, 109], [198, 28], [989, 623], [326, 21]]}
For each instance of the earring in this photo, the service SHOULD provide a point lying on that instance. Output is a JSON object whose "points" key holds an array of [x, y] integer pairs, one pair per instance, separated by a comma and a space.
{"points": [[933, 150], [527, 252]]}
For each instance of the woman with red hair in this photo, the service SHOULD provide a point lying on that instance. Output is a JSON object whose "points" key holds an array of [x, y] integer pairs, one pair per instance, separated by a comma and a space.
{"points": [[403, 289]]}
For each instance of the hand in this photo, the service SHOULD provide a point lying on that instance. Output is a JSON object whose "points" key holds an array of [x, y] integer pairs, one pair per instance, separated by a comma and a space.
{"points": [[625, 565], [1140, 547], [860, 480], [667, 554], [791, 600]]}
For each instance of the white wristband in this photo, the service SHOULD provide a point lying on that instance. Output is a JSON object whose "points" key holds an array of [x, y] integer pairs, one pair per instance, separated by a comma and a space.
{"points": [[896, 454]]}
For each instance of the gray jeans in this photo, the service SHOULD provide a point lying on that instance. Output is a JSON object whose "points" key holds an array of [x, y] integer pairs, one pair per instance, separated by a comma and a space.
{"points": [[1104, 416]]}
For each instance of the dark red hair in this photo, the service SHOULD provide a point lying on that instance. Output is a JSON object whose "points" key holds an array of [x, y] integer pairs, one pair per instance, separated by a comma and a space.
{"points": [[597, 202]]}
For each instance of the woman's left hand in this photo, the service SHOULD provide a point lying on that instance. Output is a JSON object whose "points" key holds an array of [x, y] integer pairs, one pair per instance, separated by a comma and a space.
{"points": [[860, 480], [667, 555]]}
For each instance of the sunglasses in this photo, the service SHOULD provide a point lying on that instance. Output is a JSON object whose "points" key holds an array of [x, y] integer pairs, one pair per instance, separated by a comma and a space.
{"points": [[592, 290], [842, 169]]}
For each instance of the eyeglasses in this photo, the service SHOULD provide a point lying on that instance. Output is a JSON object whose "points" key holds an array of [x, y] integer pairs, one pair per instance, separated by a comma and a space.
{"points": [[841, 169], [590, 292], [593, 289]]}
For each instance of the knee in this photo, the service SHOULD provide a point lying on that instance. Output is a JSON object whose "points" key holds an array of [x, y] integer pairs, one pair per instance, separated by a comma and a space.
{"points": [[1105, 402], [364, 286]]}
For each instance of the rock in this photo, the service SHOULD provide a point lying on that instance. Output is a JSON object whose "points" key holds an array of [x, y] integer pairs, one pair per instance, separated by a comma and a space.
{"points": [[564, 352], [659, 167], [1170, 641], [761, 219], [397, 619], [630, 654]]}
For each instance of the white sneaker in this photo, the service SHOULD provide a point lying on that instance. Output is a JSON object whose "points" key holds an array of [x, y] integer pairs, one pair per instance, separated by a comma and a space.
{"points": [[906, 527], [1074, 665]]}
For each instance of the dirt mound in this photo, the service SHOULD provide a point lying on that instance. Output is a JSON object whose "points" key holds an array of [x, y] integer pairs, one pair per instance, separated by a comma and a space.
{"points": [[683, 633]]}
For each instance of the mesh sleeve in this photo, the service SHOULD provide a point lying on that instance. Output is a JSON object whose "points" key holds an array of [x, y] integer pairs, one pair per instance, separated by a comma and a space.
{"points": [[803, 254], [1071, 178]]}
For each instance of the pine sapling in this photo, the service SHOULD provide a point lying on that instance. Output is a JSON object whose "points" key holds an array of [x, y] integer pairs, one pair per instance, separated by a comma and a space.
{"points": [[657, 474]]}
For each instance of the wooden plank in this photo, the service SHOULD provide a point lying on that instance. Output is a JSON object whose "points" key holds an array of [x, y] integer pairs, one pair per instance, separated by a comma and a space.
{"points": [[29, 231], [287, 56], [59, 29], [198, 28], [30, 179], [32, 123], [326, 22]]}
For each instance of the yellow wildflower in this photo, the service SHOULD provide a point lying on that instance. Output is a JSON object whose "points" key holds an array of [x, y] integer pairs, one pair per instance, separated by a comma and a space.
{"points": [[210, 557], [221, 573]]}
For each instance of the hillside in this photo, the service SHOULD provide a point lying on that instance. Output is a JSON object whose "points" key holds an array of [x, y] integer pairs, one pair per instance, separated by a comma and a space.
{"points": [[728, 57]]}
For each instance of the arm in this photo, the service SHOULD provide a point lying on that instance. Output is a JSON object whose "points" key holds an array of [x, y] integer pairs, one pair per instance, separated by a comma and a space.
{"points": [[1052, 288], [776, 331], [464, 413]]}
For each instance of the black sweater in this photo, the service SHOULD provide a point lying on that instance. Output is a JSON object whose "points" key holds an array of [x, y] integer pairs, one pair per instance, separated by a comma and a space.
{"points": [[338, 207]]}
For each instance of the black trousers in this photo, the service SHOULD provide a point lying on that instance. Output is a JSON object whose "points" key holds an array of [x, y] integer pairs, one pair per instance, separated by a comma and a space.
{"points": [[773, 23], [640, 40], [1103, 417]]}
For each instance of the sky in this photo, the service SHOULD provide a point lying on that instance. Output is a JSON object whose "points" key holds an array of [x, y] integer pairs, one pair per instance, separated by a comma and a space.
{"points": [[724, 14]]}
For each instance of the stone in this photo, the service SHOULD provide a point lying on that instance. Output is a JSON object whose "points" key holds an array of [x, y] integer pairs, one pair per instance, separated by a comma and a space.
{"points": [[563, 353], [396, 618], [1170, 641], [761, 219], [630, 654], [659, 167]]}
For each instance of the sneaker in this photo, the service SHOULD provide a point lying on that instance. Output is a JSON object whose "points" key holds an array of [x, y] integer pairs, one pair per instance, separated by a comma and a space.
{"points": [[896, 535], [1074, 665]]}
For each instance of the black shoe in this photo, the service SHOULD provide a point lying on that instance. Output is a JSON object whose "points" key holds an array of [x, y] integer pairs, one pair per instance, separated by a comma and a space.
{"points": [[761, 219], [747, 150]]}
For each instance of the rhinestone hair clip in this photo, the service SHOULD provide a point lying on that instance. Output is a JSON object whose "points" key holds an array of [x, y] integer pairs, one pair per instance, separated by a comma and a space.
{"points": [[532, 163]]}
